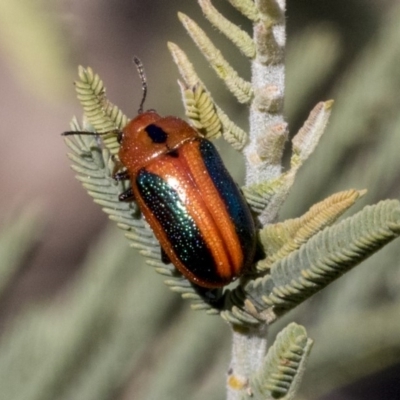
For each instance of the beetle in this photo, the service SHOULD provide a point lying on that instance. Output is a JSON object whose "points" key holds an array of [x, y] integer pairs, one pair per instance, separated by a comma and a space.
{"points": [[185, 193]]}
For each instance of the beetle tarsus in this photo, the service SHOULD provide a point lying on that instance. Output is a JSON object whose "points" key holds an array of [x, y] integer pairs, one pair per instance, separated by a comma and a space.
{"points": [[121, 176], [164, 258], [214, 297], [127, 195]]}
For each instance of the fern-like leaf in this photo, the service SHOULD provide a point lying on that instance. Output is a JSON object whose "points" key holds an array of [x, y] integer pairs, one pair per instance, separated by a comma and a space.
{"points": [[279, 240], [306, 140], [259, 195], [232, 133], [270, 201], [201, 111], [247, 8], [283, 367], [240, 38], [240, 88], [325, 257], [102, 115]]}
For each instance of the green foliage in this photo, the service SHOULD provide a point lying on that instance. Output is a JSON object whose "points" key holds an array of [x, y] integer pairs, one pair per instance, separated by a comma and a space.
{"points": [[283, 366], [240, 88], [309, 254], [89, 347], [95, 171], [102, 115], [283, 238], [325, 257], [237, 36], [201, 111], [232, 133]]}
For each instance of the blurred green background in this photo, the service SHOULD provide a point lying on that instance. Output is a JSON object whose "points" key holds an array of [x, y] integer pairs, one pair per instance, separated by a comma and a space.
{"points": [[80, 316]]}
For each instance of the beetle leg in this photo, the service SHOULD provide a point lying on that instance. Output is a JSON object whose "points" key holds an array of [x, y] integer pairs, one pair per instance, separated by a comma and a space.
{"points": [[211, 296], [259, 252], [127, 195], [117, 166], [121, 176], [164, 258]]}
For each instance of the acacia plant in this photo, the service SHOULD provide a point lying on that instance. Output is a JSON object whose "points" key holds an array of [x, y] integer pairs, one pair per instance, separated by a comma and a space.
{"points": [[301, 255]]}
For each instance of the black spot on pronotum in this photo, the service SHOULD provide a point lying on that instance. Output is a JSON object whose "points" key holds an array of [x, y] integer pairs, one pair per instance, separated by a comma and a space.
{"points": [[156, 134]]}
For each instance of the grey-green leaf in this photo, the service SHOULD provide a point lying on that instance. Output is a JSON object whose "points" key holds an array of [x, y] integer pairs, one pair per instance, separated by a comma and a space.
{"points": [[326, 256]]}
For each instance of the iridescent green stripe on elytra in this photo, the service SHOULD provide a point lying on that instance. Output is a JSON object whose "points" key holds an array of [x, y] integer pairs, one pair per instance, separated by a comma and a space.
{"points": [[183, 235]]}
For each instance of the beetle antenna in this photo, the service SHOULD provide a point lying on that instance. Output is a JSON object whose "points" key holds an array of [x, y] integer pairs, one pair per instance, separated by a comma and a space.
{"points": [[117, 132], [142, 75]]}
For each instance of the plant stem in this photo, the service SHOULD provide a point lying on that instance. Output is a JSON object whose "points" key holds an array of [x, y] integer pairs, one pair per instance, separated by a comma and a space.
{"points": [[267, 131], [268, 82], [248, 351]]}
